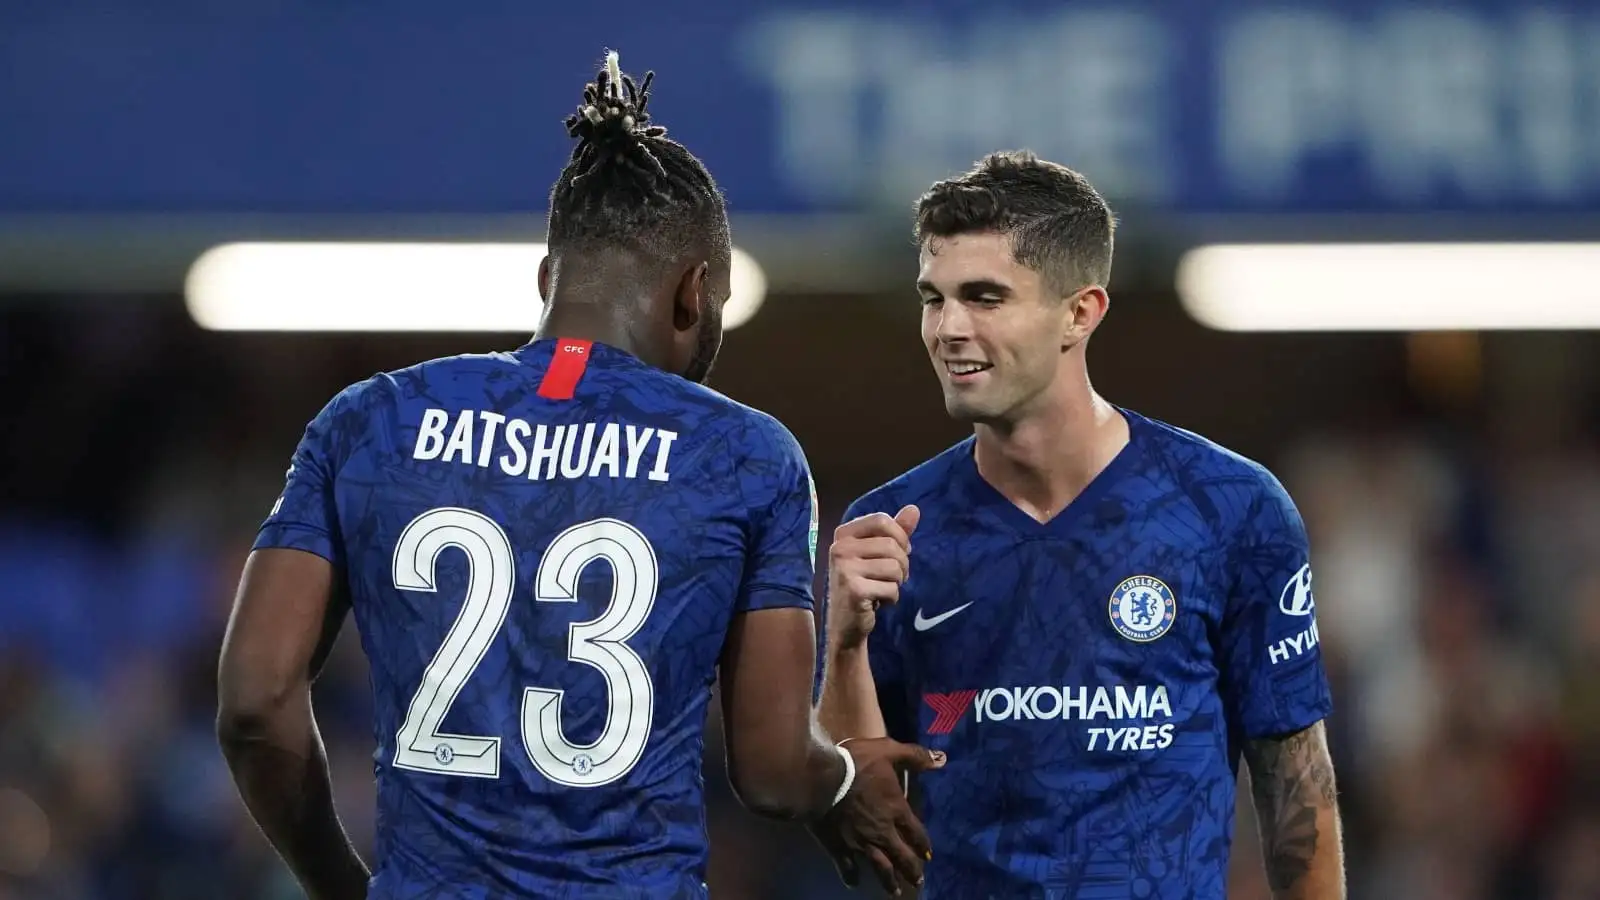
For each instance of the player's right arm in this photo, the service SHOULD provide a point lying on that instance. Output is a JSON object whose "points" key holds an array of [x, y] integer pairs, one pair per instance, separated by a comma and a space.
{"points": [[869, 560], [287, 613]]}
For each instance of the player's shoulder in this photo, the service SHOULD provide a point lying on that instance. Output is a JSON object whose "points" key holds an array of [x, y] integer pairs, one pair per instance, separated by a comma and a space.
{"points": [[928, 481], [361, 401], [1227, 478], [733, 411], [747, 429], [355, 400], [1199, 454], [442, 374]]}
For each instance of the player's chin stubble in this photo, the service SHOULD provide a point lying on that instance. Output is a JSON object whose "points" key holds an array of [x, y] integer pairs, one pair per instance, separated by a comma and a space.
{"points": [[970, 403], [996, 405], [963, 409]]}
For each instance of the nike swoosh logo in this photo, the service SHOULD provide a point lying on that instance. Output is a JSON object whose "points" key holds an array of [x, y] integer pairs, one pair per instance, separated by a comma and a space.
{"points": [[922, 624]]}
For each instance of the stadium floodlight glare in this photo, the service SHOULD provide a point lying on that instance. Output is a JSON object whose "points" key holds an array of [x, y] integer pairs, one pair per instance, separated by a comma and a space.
{"points": [[375, 286], [1392, 287]]}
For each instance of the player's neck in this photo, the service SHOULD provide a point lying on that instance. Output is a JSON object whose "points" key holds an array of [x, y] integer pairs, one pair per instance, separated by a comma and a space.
{"points": [[608, 323], [1043, 461]]}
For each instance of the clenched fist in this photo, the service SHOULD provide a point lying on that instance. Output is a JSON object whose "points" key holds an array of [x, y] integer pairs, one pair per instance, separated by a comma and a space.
{"points": [[869, 560]]}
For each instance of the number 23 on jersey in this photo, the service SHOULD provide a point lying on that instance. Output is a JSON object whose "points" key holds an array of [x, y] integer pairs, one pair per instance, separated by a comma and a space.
{"points": [[599, 643]]}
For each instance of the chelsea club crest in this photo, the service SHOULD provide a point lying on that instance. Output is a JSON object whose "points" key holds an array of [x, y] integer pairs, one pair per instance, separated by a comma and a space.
{"points": [[1143, 608]]}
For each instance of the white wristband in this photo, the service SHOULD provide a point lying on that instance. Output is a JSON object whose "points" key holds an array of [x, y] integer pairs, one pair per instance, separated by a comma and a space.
{"points": [[849, 773]]}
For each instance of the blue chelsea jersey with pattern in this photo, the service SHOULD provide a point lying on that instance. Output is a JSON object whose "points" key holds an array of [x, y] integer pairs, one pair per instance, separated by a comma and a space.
{"points": [[1093, 678], [542, 580]]}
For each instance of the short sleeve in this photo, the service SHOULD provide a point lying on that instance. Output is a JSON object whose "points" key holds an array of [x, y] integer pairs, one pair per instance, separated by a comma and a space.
{"points": [[305, 516], [1273, 681], [780, 560]]}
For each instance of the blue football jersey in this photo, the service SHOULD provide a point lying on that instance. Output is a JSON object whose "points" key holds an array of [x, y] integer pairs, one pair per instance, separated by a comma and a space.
{"points": [[544, 550], [1092, 678]]}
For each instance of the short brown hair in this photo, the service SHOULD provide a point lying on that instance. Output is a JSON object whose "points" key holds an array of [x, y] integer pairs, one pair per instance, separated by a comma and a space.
{"points": [[1058, 223]]}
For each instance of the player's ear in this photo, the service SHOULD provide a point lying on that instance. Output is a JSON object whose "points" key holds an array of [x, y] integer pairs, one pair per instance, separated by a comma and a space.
{"points": [[690, 298], [544, 278], [1085, 309]]}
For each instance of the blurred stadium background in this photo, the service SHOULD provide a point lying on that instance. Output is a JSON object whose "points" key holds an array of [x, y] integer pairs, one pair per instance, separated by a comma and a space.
{"points": [[1448, 466]]}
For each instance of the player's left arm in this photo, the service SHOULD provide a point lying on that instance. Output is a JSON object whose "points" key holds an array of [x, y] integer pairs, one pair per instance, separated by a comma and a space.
{"points": [[780, 761], [780, 764], [1276, 693], [287, 613], [1297, 808]]}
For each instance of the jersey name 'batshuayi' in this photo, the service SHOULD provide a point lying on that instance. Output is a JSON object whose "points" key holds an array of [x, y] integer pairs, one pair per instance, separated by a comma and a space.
{"points": [[543, 551], [1093, 678]]}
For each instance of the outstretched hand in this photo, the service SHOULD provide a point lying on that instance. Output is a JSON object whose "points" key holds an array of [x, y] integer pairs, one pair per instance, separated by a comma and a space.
{"points": [[874, 820]]}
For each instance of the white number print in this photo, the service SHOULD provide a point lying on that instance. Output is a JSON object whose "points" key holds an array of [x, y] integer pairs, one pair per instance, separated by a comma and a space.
{"points": [[599, 643], [491, 573]]}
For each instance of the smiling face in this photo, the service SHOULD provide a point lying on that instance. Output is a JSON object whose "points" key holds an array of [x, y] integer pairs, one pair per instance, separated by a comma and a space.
{"points": [[1015, 257], [996, 333]]}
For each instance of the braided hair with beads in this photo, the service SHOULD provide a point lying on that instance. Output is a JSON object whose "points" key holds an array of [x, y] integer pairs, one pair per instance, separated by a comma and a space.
{"points": [[627, 184]]}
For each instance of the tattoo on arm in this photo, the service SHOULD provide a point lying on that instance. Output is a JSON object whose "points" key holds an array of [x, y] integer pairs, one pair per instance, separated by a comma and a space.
{"points": [[1291, 780]]}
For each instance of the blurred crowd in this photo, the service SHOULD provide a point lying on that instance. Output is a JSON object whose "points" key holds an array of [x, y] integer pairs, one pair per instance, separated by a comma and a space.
{"points": [[1458, 600], [1457, 581]]}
